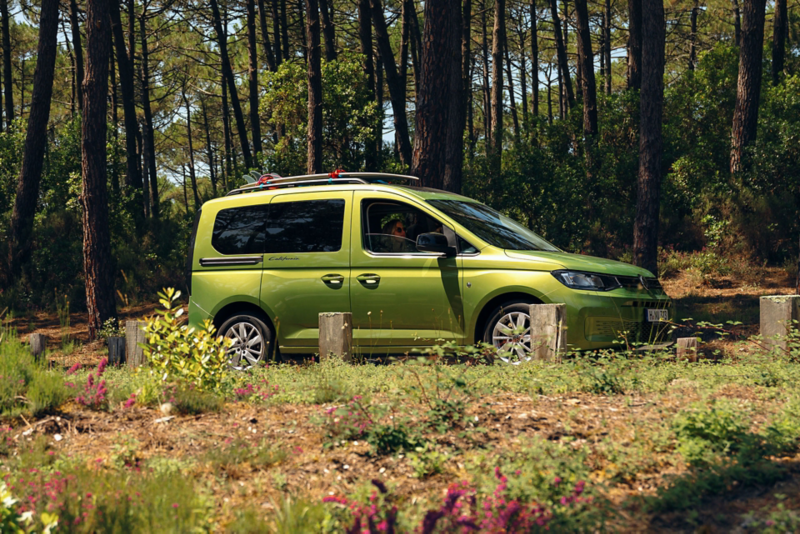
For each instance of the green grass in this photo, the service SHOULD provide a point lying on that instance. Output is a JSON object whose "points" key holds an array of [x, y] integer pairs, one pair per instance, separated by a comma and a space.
{"points": [[27, 387]]}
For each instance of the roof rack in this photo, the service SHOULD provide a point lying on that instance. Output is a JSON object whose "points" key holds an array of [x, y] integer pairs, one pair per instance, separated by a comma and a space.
{"points": [[272, 181]]}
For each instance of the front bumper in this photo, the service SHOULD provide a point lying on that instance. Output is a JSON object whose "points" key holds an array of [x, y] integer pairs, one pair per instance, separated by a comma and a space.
{"points": [[618, 318]]}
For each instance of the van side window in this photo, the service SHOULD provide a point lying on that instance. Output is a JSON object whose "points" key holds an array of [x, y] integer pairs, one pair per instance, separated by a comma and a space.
{"points": [[240, 230], [307, 226], [392, 227]]}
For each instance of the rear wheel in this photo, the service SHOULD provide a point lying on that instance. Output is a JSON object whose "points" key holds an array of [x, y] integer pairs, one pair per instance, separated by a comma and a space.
{"points": [[509, 331], [251, 340]]}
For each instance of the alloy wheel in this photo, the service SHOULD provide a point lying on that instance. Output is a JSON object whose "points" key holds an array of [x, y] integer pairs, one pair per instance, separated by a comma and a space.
{"points": [[511, 336], [248, 347]]}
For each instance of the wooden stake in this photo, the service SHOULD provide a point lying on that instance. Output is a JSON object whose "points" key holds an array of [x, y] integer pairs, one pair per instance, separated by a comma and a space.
{"points": [[336, 335], [134, 335], [548, 330], [116, 350], [38, 343]]}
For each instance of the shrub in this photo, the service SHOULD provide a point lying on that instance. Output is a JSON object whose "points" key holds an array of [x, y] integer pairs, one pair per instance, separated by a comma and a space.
{"points": [[27, 387], [180, 353]]}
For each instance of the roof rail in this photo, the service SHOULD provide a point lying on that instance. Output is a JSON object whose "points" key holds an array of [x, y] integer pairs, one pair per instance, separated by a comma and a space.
{"points": [[272, 181]]}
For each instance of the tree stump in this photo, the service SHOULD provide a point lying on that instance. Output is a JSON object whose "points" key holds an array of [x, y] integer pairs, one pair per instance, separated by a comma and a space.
{"points": [[548, 330], [134, 335], [116, 350], [686, 349], [336, 335], [38, 343], [779, 314]]}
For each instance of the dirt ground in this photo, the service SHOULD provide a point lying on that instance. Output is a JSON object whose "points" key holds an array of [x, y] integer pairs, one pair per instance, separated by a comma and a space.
{"points": [[315, 471]]}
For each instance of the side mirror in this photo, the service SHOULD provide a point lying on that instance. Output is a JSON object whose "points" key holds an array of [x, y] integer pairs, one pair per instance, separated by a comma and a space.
{"points": [[435, 243]]}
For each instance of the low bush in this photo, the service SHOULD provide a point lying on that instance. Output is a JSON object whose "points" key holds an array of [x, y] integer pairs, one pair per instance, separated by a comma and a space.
{"points": [[26, 386], [180, 353]]}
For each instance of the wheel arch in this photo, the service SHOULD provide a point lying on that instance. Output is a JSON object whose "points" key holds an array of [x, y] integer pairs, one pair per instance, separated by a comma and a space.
{"points": [[494, 302], [231, 309]]}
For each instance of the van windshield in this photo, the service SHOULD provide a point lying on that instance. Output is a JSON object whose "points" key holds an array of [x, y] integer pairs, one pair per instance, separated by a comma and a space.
{"points": [[494, 228]]}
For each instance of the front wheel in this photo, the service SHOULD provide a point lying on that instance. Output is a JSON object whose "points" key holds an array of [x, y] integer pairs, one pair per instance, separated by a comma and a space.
{"points": [[509, 331], [252, 340]]}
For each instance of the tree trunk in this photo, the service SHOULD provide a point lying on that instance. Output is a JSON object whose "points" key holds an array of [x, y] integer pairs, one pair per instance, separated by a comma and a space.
{"points": [[97, 260], [226, 133], [284, 30], [441, 54], [21, 229], [693, 36], [645, 231], [262, 18], [487, 89], [748, 87], [405, 33], [365, 37], [737, 23], [76, 43], [523, 75], [328, 30], [534, 60], [586, 66], [634, 44], [497, 81], [561, 53], [8, 82], [115, 124], [209, 150], [779, 27], [393, 80], [314, 88], [252, 77], [192, 174], [227, 72], [607, 45], [133, 178], [511, 96], [407, 14], [276, 32], [149, 135], [456, 98], [549, 96], [416, 42]]}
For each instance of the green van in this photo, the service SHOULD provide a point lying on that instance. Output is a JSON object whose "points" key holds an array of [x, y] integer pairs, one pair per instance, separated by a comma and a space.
{"points": [[413, 265]]}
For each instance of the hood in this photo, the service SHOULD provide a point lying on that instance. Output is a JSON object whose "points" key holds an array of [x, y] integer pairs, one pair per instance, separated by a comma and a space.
{"points": [[580, 262]]}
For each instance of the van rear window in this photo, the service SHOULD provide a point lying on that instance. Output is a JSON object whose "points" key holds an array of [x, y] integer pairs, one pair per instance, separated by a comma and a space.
{"points": [[305, 226], [240, 230]]}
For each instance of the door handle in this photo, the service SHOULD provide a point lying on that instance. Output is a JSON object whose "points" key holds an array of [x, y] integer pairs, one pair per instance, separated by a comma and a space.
{"points": [[370, 279], [333, 278]]}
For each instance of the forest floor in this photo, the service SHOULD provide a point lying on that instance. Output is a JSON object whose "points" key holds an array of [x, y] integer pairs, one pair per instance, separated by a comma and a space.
{"points": [[662, 446]]}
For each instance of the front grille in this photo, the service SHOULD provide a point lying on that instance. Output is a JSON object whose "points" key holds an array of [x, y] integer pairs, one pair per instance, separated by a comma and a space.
{"points": [[634, 282], [659, 304]]}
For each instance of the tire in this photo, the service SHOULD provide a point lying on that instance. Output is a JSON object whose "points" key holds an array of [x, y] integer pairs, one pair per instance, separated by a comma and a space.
{"points": [[508, 330], [252, 333]]}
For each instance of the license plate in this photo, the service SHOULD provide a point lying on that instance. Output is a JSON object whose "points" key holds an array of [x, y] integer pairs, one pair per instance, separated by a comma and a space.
{"points": [[654, 316]]}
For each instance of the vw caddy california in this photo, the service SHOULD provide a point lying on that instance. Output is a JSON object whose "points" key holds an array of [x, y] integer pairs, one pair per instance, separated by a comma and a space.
{"points": [[413, 265]]}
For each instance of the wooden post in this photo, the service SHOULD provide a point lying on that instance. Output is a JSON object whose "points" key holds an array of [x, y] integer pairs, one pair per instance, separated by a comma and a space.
{"points": [[116, 350], [134, 334], [686, 349], [335, 335], [38, 343], [779, 314], [548, 330]]}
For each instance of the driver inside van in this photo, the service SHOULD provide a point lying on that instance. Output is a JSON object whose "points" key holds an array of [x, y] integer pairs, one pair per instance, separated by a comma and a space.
{"points": [[396, 232]]}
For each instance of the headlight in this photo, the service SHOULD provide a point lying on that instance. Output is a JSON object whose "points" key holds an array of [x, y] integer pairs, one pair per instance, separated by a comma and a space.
{"points": [[586, 281]]}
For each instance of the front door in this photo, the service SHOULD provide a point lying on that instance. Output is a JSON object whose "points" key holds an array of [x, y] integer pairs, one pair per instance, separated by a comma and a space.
{"points": [[306, 264], [400, 297]]}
